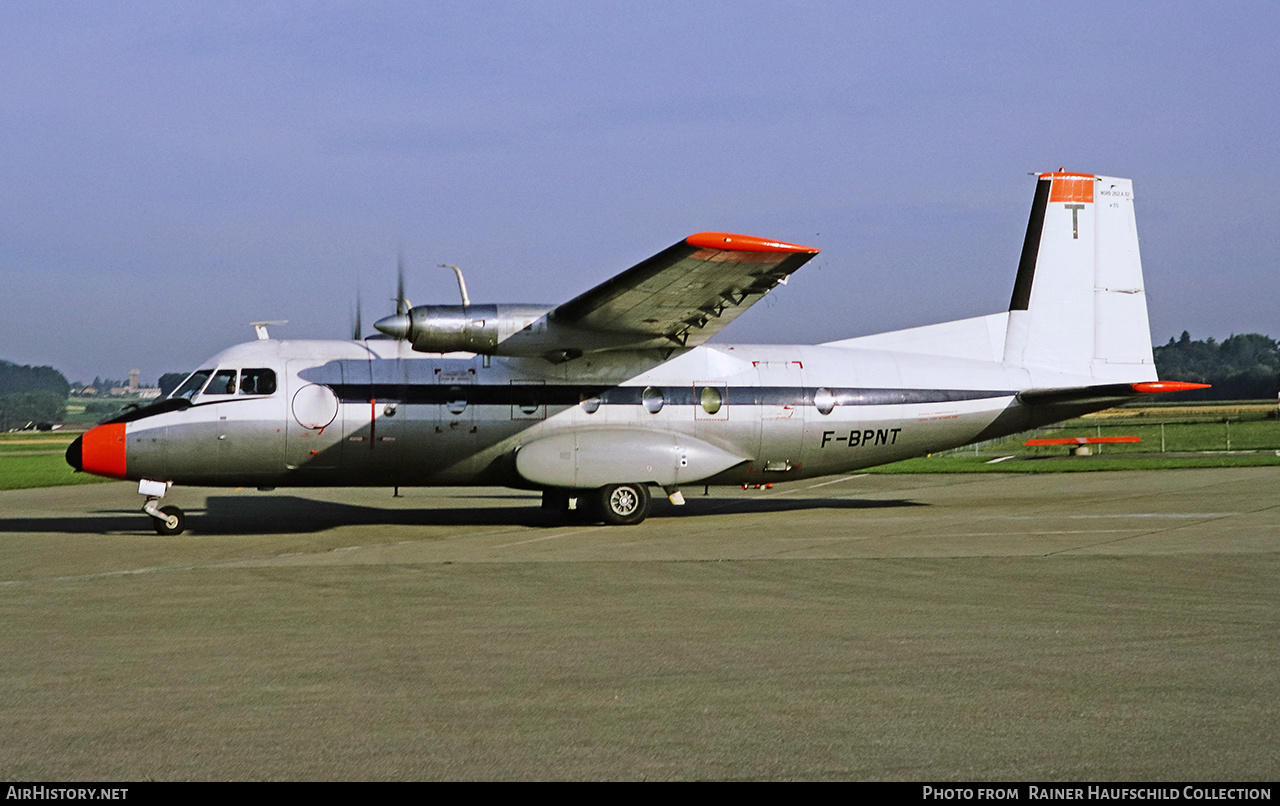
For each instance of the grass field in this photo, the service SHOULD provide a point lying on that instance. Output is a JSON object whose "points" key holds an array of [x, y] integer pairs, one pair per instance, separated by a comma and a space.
{"points": [[29, 460], [1169, 437], [19, 472], [1219, 434]]}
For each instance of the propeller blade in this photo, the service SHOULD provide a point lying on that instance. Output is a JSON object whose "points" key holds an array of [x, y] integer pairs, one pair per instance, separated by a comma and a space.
{"points": [[357, 328], [402, 304]]}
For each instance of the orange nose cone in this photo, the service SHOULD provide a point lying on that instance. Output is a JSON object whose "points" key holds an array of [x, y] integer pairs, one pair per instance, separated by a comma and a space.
{"points": [[102, 452]]}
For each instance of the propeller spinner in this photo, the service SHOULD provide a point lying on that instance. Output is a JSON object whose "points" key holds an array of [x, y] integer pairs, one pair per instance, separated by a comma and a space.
{"points": [[397, 325]]}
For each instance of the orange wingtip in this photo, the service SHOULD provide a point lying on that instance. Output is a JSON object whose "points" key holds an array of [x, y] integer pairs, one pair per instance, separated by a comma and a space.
{"points": [[743, 243], [1156, 387]]}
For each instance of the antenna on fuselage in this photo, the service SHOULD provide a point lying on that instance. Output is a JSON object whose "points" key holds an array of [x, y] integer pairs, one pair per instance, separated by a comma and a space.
{"points": [[261, 327]]}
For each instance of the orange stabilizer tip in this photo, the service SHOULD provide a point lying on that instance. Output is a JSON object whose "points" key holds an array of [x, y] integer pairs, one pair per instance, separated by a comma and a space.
{"points": [[743, 243], [103, 451], [1156, 387]]}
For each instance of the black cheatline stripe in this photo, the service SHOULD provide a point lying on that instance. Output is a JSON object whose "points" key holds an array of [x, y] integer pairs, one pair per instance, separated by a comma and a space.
{"points": [[565, 395], [1030, 248], [160, 406]]}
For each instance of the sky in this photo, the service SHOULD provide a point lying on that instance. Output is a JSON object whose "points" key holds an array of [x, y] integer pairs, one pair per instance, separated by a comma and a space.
{"points": [[170, 172]]}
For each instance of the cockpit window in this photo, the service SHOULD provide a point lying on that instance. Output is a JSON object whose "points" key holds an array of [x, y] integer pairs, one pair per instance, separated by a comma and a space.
{"points": [[257, 382], [192, 384], [224, 383]]}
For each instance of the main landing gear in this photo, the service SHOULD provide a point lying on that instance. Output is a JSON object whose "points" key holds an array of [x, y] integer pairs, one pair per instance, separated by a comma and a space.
{"points": [[614, 504], [623, 504], [169, 520]]}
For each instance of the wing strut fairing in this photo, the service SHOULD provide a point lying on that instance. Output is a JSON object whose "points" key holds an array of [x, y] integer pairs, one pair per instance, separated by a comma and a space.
{"points": [[677, 299]]}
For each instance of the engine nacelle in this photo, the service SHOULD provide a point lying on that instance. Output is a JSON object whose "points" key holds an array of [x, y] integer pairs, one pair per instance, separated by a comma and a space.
{"points": [[461, 328], [510, 330]]}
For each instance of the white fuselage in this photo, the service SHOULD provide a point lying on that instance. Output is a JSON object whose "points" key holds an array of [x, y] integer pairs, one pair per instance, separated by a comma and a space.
{"points": [[377, 413]]}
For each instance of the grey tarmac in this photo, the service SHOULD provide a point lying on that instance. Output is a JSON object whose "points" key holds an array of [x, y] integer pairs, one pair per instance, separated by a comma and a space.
{"points": [[1084, 626]]}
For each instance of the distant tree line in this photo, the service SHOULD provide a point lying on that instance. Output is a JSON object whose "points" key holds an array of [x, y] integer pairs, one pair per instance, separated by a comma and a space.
{"points": [[1243, 367], [31, 395], [15, 378]]}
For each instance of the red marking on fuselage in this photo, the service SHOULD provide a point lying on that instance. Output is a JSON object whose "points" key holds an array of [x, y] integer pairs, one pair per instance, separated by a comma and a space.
{"points": [[103, 451]]}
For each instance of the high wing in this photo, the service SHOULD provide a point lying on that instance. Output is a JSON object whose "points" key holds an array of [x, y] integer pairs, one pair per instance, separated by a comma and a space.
{"points": [[686, 293], [678, 298]]}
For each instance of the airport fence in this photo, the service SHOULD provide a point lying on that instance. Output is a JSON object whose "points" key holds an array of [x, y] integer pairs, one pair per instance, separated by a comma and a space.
{"points": [[1173, 436]]}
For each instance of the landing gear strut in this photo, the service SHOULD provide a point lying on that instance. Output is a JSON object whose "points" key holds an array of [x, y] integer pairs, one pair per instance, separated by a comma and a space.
{"points": [[573, 506], [615, 504], [168, 521]]}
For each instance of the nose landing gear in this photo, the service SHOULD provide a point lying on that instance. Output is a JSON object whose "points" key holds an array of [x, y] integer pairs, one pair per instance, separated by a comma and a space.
{"points": [[169, 520]]}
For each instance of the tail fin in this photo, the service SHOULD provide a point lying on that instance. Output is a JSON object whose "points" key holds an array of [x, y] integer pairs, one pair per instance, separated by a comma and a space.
{"points": [[1078, 303]]}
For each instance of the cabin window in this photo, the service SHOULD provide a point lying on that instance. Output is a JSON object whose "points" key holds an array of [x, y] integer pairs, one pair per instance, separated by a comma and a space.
{"points": [[527, 400], [652, 398], [711, 399], [223, 383], [457, 402], [528, 403], [257, 382], [192, 385], [824, 400]]}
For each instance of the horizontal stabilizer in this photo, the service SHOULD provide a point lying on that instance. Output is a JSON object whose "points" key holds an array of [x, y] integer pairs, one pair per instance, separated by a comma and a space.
{"points": [[1102, 393]]}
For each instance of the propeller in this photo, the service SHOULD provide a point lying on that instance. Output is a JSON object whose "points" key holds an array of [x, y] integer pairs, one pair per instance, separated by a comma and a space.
{"points": [[402, 302], [357, 328], [397, 325]]}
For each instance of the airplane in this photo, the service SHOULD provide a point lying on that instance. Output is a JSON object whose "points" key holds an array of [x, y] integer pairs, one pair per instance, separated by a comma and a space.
{"points": [[617, 391]]}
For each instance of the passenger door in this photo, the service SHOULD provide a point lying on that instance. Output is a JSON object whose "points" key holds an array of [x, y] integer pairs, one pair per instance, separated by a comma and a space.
{"points": [[781, 415]]}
